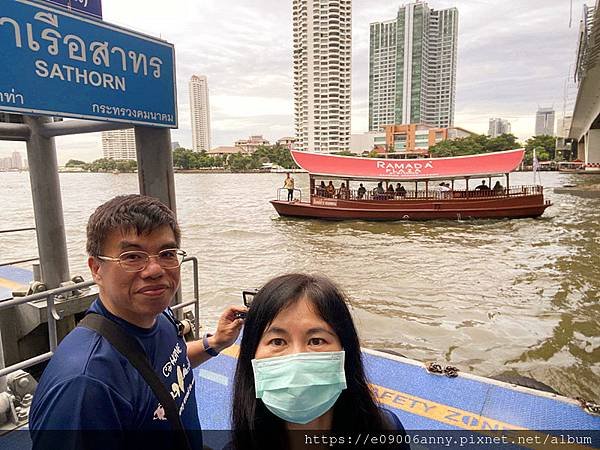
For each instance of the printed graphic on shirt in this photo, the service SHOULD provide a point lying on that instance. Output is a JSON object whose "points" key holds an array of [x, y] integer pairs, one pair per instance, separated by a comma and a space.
{"points": [[176, 372]]}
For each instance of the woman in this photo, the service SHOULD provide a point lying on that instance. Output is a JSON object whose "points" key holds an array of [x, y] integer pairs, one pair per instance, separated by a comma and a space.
{"points": [[300, 355]]}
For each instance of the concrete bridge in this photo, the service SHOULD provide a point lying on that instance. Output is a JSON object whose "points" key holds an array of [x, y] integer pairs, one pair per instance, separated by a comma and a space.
{"points": [[585, 128]]}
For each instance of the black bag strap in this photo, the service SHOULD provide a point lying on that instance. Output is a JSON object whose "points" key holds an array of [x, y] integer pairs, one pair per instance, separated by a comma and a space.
{"points": [[131, 349]]}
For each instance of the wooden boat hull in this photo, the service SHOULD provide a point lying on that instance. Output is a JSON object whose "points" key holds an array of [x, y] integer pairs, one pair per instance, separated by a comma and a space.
{"points": [[452, 209]]}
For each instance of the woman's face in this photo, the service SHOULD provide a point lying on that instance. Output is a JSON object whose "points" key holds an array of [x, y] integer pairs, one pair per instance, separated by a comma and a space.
{"points": [[297, 329]]}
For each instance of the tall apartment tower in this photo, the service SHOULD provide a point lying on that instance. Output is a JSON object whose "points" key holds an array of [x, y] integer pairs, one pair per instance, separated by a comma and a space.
{"points": [[322, 74], [544, 122], [119, 144], [498, 127], [200, 113], [412, 67]]}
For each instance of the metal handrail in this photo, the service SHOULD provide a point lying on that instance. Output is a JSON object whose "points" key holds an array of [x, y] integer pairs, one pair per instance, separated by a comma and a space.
{"points": [[20, 261], [432, 194], [54, 316], [286, 189], [16, 230]]}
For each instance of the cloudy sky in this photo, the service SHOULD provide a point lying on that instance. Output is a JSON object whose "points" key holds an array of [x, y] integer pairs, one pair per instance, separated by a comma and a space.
{"points": [[513, 56]]}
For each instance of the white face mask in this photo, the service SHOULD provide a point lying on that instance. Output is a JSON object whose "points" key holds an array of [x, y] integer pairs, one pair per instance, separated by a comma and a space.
{"points": [[299, 388]]}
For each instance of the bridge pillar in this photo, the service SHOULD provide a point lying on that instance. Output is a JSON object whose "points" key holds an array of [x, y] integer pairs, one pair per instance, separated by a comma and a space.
{"points": [[592, 147]]}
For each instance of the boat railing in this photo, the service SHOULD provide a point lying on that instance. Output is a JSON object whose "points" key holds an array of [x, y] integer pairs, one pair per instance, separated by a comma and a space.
{"points": [[18, 261], [56, 297], [283, 192], [431, 194]]}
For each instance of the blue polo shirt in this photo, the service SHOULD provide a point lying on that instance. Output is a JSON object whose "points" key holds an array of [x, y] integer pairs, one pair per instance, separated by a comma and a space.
{"points": [[88, 385]]}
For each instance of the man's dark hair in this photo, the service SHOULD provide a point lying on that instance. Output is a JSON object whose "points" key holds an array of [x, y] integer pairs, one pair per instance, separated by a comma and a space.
{"points": [[127, 213]]}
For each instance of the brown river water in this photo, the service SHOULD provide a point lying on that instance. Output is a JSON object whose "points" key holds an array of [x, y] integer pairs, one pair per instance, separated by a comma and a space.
{"points": [[487, 296]]}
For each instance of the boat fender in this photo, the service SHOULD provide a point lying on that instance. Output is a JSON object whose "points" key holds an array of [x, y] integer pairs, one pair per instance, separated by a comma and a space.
{"points": [[449, 371], [589, 407]]}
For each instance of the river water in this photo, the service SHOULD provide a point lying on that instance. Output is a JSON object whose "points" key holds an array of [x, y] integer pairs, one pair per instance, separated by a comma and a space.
{"points": [[516, 296]]}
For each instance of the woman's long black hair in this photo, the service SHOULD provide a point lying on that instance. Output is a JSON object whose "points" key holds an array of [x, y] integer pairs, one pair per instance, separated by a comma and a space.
{"points": [[254, 426]]}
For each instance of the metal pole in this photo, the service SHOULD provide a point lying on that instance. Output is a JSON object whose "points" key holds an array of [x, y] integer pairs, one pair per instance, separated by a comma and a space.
{"points": [[14, 132], [155, 171], [53, 129], [3, 384], [47, 204], [155, 164]]}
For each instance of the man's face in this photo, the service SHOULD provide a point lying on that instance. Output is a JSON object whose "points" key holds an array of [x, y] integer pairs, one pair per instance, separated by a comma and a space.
{"points": [[137, 297]]}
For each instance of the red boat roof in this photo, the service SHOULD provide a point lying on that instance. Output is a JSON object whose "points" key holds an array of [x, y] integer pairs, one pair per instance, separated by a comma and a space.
{"points": [[488, 164]]}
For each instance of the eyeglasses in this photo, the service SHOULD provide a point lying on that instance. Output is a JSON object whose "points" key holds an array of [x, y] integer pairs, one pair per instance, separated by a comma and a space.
{"points": [[136, 261]]}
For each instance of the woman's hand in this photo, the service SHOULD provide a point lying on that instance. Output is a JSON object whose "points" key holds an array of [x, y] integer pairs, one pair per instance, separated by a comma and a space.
{"points": [[228, 327]]}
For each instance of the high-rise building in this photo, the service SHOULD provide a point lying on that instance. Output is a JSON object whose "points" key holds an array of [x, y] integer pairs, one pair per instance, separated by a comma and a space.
{"points": [[412, 67], [119, 144], [200, 113], [544, 122], [322, 74], [17, 161], [498, 127]]}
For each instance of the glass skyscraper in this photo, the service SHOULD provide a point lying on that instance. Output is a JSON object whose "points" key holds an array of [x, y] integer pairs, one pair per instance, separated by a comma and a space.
{"points": [[412, 67]]}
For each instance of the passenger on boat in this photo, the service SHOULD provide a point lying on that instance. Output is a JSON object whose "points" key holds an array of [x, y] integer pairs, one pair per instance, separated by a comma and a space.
{"points": [[321, 189], [390, 191], [400, 191], [482, 186], [361, 191], [379, 192], [330, 189], [344, 192], [498, 188], [289, 185], [134, 256], [300, 368]]}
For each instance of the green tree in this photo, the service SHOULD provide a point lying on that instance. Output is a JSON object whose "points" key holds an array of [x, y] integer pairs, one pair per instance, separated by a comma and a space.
{"points": [[543, 142], [75, 163], [183, 159], [472, 145]]}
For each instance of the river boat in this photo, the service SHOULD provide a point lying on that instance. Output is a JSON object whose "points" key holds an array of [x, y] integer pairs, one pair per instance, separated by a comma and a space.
{"points": [[579, 167], [422, 199]]}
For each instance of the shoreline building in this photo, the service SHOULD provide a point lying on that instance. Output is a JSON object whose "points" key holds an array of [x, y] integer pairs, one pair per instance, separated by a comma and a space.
{"points": [[412, 67], [498, 127], [544, 122], [200, 113], [322, 74], [119, 144]]}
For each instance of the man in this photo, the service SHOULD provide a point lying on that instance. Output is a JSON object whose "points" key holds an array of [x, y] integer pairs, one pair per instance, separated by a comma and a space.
{"points": [[361, 191], [482, 186], [133, 246], [289, 185]]}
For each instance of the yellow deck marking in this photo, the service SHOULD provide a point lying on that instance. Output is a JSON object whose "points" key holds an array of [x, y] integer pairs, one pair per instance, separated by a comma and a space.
{"points": [[232, 351], [458, 418], [439, 412], [9, 284]]}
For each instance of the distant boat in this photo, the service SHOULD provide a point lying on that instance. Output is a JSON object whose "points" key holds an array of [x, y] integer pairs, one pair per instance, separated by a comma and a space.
{"points": [[579, 167], [418, 204]]}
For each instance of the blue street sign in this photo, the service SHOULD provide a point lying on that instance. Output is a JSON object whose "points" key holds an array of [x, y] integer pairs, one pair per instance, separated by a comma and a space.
{"points": [[91, 7], [60, 64]]}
